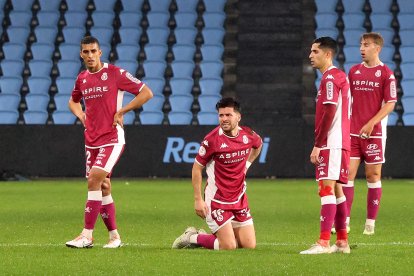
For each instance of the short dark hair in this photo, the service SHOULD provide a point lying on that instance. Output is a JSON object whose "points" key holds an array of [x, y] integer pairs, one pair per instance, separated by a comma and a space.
{"points": [[89, 40], [228, 102], [327, 43]]}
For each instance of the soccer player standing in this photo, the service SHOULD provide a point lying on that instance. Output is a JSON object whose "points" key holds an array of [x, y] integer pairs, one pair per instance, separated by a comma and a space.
{"points": [[374, 93], [226, 153], [101, 87], [331, 149]]}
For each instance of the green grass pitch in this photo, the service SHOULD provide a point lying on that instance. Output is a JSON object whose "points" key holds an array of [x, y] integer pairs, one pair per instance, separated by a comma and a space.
{"points": [[38, 217]]}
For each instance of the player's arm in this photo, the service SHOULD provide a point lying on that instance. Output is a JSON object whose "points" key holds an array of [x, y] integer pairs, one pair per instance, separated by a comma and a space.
{"points": [[328, 114], [386, 109], [76, 109], [144, 96], [254, 153], [200, 206]]}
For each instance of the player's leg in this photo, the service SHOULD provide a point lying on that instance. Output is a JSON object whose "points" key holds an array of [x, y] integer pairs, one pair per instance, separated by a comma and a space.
{"points": [[245, 236], [108, 214], [341, 245], [373, 175]]}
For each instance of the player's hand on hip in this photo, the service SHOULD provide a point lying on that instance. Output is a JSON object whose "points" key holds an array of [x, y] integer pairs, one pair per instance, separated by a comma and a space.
{"points": [[314, 156], [365, 131], [200, 208], [118, 119]]}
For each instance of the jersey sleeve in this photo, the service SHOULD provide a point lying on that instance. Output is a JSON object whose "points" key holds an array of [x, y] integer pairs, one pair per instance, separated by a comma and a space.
{"points": [[256, 140], [330, 91], [205, 152], [76, 92], [127, 82], [390, 87]]}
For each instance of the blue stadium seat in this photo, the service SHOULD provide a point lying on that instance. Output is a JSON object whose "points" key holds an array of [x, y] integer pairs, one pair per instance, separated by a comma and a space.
{"points": [[130, 65], [63, 118], [68, 68], [183, 52], [353, 36], [390, 65], [40, 68], [333, 32], [208, 102], [187, 5], [39, 85], [181, 86], [407, 53], [158, 19], [214, 19], [211, 86], [380, 6], [181, 102], [326, 5], [408, 104], [408, 119], [77, 5], [46, 34], [348, 66], [61, 102], [214, 6], [127, 51], [353, 5], [106, 51], [353, 20], [22, 5], [20, 18], [8, 117], [352, 54], [326, 20], [76, 18], [185, 19], [103, 18], [212, 52], [127, 98], [130, 19], [65, 85], [48, 18], [35, 117], [392, 119], [37, 102], [159, 5], [381, 20], [387, 35], [130, 35], [156, 52], [11, 85], [14, 50], [103, 34], [211, 69], [104, 5], [12, 68], [185, 35], [406, 6], [155, 84], [155, 104], [129, 118], [158, 35], [129, 5], [405, 20], [407, 87], [207, 118], [151, 117], [182, 69], [69, 51], [387, 54], [154, 69], [49, 5], [407, 37], [73, 35], [9, 102], [43, 51], [213, 35], [180, 117], [18, 34]]}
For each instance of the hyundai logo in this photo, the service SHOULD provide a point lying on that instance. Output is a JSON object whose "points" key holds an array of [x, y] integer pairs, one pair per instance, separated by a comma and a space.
{"points": [[372, 146]]}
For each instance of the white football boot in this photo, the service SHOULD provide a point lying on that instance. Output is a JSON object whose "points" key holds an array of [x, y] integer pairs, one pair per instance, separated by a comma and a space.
{"points": [[341, 246], [317, 248], [369, 230], [114, 242], [80, 242], [183, 241]]}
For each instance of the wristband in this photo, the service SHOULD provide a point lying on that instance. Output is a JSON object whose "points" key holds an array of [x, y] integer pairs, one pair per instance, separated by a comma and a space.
{"points": [[248, 164]]}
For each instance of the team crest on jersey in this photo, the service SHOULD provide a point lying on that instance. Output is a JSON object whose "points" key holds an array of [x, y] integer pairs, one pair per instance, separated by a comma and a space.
{"points": [[378, 73], [329, 90], [104, 76], [202, 151], [245, 139]]}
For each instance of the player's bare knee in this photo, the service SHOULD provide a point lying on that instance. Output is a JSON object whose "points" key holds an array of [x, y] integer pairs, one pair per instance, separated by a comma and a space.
{"points": [[249, 245], [228, 245], [94, 182], [106, 187]]}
